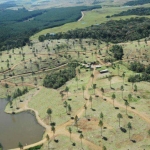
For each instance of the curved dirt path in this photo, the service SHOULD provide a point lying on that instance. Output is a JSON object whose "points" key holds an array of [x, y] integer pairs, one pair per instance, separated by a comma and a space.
{"points": [[61, 129], [82, 16]]}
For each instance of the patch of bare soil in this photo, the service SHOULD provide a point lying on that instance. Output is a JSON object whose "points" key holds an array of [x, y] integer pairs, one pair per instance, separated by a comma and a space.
{"points": [[137, 137], [86, 125]]}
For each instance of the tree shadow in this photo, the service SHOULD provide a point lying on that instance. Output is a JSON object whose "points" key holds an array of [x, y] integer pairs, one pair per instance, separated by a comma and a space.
{"points": [[79, 131], [123, 129], [93, 109], [116, 107], [73, 144], [56, 140], [130, 117], [72, 118], [105, 138], [89, 119], [112, 88], [133, 141], [52, 123]]}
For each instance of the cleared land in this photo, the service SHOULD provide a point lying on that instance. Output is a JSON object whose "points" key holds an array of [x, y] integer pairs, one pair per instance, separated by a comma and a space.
{"points": [[51, 56]]}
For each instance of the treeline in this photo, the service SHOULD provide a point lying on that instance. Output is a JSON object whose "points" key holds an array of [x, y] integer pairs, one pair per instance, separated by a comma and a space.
{"points": [[139, 68], [137, 2], [137, 11], [19, 92], [138, 78], [57, 79], [114, 31], [18, 25]]}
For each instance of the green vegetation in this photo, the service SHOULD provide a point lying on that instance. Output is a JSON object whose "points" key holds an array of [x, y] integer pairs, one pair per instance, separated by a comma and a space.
{"points": [[112, 31], [137, 11], [56, 80], [117, 51], [18, 25], [36, 147], [19, 92], [137, 2]]}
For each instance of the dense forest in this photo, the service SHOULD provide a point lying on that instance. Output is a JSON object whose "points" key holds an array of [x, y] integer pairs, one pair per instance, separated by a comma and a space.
{"points": [[57, 79], [112, 31], [18, 25], [137, 2], [137, 11]]}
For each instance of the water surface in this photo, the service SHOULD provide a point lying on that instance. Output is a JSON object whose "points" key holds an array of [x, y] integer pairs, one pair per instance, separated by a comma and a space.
{"points": [[22, 127]]}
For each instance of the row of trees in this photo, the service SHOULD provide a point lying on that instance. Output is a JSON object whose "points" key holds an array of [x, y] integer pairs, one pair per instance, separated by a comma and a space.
{"points": [[112, 31], [137, 11], [137, 2]]}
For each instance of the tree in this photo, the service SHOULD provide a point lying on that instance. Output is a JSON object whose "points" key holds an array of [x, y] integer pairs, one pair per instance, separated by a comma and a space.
{"points": [[92, 76], [67, 90], [77, 81], [122, 89], [48, 139], [20, 145], [76, 121], [69, 108], [53, 130], [102, 90], [119, 116], [113, 97], [101, 125], [123, 76], [129, 127], [104, 148], [22, 79], [109, 79], [126, 104], [62, 95], [65, 105], [70, 131], [135, 88], [94, 87], [85, 107], [118, 69], [130, 97], [101, 116], [49, 112], [83, 89], [90, 99], [81, 137]]}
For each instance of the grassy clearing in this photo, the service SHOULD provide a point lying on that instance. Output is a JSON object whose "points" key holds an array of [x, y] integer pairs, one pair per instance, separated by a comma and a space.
{"points": [[46, 98]]}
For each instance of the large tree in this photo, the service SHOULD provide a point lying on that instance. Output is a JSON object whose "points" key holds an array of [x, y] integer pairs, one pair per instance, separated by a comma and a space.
{"points": [[119, 116], [49, 112]]}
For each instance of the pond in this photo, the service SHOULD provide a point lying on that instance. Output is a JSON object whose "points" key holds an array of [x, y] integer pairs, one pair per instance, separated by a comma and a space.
{"points": [[22, 127]]}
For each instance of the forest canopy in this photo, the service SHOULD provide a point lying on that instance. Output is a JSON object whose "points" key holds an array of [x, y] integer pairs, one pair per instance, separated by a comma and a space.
{"points": [[114, 31], [137, 2], [18, 25], [137, 11]]}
